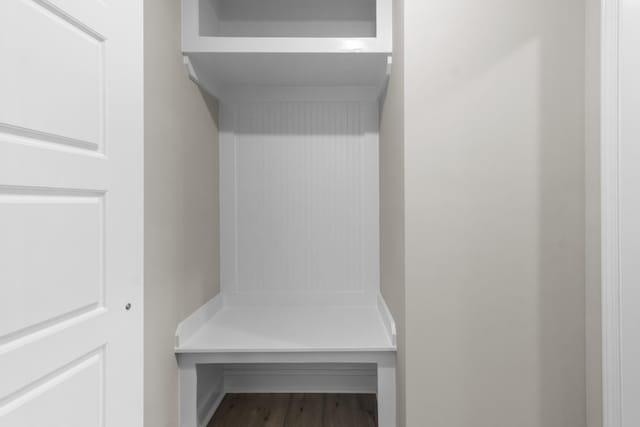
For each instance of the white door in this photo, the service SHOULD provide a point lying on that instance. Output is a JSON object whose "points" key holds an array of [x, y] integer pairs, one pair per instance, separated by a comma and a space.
{"points": [[71, 213]]}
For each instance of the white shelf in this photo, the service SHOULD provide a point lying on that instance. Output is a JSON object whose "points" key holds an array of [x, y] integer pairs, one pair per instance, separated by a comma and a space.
{"points": [[222, 73], [287, 42], [219, 328]]}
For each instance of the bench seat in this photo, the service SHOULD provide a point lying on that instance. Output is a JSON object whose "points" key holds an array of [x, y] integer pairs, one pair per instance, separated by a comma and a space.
{"points": [[311, 346]]}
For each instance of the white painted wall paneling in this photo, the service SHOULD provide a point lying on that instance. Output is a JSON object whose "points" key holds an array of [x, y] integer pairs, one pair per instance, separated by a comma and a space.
{"points": [[299, 199]]}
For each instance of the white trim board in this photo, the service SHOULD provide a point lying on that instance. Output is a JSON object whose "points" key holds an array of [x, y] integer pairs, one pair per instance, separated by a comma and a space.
{"points": [[299, 378], [208, 406], [189, 326], [611, 369], [387, 319], [210, 392], [620, 176]]}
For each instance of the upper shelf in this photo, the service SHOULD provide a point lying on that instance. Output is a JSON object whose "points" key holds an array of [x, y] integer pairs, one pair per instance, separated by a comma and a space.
{"points": [[287, 26], [232, 43]]}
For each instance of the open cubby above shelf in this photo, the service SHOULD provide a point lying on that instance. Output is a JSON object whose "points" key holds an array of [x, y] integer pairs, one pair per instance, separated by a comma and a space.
{"points": [[230, 43], [293, 26], [287, 18]]}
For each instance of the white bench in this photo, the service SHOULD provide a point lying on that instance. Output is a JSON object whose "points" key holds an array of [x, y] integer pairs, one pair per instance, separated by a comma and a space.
{"points": [[225, 348]]}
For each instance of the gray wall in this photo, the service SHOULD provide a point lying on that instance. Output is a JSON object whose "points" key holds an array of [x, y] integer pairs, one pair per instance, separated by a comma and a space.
{"points": [[392, 198], [494, 220], [592, 187], [488, 146], [181, 205]]}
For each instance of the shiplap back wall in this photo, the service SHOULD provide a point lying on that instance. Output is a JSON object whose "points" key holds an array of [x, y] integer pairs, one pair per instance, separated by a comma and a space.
{"points": [[299, 198]]}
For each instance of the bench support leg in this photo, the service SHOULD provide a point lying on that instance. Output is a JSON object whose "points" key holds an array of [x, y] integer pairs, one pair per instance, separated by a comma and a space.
{"points": [[188, 395], [387, 393]]}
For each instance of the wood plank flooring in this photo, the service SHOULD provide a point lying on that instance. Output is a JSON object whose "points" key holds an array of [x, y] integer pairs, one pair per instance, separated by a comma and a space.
{"points": [[296, 410]]}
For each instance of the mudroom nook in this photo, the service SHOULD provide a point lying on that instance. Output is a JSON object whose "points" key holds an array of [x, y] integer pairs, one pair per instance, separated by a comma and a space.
{"points": [[300, 86]]}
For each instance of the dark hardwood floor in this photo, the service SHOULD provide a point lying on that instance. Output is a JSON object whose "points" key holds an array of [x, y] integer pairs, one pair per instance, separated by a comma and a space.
{"points": [[296, 410]]}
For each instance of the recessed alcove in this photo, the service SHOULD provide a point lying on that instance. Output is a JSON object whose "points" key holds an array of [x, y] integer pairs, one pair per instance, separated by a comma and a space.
{"points": [[287, 18], [300, 84]]}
